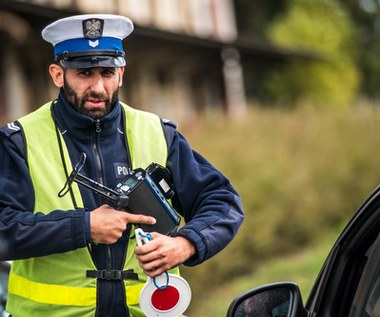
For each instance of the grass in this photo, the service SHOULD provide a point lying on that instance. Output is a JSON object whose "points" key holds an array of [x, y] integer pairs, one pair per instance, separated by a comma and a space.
{"points": [[301, 267], [300, 174]]}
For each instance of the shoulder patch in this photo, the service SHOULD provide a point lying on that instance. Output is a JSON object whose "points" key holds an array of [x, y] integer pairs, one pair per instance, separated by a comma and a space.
{"points": [[13, 132], [10, 128], [169, 123]]}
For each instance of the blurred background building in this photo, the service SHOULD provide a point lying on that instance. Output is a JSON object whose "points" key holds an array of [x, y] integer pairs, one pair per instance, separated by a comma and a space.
{"points": [[183, 58]]}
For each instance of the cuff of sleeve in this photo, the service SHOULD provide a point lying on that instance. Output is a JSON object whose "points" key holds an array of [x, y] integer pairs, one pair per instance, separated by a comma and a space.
{"points": [[87, 224], [195, 239]]}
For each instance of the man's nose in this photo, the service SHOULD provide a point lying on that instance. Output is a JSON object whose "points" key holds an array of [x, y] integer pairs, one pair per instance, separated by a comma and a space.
{"points": [[97, 83]]}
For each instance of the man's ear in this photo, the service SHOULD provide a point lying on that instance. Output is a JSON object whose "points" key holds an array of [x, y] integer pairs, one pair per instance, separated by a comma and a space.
{"points": [[121, 70], [57, 74]]}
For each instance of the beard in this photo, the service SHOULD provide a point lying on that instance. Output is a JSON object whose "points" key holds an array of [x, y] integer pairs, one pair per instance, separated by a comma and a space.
{"points": [[78, 103]]}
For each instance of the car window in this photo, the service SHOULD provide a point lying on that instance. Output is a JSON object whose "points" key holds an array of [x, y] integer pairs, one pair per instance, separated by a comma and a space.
{"points": [[367, 297], [372, 307]]}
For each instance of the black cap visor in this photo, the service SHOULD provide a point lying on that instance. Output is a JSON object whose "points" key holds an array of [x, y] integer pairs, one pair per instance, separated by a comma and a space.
{"points": [[93, 61], [92, 58]]}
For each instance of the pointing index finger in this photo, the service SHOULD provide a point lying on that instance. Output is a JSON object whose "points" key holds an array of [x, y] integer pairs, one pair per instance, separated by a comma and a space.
{"points": [[139, 218]]}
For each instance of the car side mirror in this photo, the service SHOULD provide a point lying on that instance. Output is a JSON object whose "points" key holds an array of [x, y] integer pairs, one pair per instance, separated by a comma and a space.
{"points": [[272, 300]]}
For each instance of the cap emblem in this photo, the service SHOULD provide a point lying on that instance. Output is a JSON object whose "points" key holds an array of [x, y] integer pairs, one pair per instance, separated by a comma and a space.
{"points": [[93, 28], [93, 43]]}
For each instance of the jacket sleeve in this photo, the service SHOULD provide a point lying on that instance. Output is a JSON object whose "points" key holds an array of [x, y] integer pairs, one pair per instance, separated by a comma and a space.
{"points": [[206, 199], [23, 233]]}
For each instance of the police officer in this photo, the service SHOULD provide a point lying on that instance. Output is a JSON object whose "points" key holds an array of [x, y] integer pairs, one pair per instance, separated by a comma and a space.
{"points": [[76, 255]]}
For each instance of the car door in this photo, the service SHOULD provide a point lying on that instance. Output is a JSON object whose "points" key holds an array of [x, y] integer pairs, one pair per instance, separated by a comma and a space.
{"points": [[366, 301], [348, 269]]}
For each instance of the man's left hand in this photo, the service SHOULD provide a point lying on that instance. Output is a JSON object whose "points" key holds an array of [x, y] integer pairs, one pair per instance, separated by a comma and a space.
{"points": [[163, 253]]}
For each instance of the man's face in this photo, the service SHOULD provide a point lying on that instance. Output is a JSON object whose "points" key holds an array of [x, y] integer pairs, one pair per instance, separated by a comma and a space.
{"points": [[92, 91]]}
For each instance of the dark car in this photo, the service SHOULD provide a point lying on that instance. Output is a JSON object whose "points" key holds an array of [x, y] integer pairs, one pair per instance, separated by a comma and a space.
{"points": [[348, 284]]}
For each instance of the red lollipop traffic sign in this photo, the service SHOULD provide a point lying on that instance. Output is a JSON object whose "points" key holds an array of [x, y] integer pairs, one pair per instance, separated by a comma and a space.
{"points": [[167, 295]]}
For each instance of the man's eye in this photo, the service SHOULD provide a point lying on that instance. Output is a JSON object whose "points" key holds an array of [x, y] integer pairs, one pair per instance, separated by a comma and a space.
{"points": [[84, 73], [108, 72]]}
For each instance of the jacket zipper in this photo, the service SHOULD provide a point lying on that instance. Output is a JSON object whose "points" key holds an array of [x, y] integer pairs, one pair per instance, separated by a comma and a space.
{"points": [[99, 169], [98, 129]]}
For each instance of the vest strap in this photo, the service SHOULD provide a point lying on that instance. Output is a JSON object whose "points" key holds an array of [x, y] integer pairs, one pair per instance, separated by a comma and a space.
{"points": [[112, 274]]}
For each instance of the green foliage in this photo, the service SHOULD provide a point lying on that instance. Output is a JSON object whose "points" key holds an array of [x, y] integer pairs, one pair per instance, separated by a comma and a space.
{"points": [[255, 16], [370, 64], [322, 28], [345, 33], [300, 173], [365, 16]]}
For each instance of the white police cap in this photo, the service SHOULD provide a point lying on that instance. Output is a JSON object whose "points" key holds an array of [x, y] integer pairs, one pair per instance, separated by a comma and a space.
{"points": [[89, 40]]}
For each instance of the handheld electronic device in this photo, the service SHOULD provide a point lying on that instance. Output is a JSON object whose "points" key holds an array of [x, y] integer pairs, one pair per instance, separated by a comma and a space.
{"points": [[141, 192]]}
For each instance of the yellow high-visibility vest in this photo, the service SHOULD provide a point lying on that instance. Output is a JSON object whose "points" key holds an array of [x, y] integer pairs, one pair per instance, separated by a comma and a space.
{"points": [[56, 285]]}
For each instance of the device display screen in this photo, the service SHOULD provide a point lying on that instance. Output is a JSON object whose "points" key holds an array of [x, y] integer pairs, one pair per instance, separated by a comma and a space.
{"points": [[128, 183]]}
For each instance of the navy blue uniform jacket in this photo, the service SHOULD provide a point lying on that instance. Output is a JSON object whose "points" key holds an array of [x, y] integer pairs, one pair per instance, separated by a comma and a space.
{"points": [[209, 204]]}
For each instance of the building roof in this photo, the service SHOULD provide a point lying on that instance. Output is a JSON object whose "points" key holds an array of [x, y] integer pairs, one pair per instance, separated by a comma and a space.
{"points": [[144, 37]]}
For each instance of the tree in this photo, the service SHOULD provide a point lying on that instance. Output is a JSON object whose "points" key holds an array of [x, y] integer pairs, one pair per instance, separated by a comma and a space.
{"points": [[322, 27], [365, 14], [254, 16]]}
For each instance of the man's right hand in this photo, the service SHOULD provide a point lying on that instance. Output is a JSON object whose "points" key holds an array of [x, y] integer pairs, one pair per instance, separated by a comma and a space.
{"points": [[108, 224]]}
